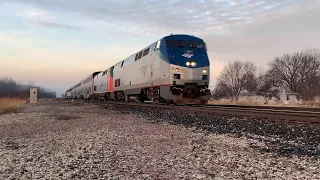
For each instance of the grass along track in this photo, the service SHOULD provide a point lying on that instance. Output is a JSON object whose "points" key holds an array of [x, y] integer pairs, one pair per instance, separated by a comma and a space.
{"points": [[8, 105]]}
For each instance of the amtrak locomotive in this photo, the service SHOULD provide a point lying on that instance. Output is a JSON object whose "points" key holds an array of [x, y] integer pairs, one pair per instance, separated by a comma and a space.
{"points": [[175, 69]]}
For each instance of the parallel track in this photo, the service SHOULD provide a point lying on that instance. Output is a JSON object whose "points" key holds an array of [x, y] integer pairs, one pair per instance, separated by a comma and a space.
{"points": [[269, 107], [273, 113], [289, 116]]}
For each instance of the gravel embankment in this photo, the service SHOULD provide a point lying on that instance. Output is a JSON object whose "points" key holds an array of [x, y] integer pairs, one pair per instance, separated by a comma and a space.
{"points": [[59, 140], [279, 137]]}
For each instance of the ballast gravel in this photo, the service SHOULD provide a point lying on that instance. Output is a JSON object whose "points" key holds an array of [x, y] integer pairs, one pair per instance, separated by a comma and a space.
{"points": [[64, 140], [282, 138]]}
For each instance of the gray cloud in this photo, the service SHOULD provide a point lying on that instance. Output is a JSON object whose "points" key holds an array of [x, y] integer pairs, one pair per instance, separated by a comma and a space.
{"points": [[268, 36], [253, 30], [54, 25], [169, 15]]}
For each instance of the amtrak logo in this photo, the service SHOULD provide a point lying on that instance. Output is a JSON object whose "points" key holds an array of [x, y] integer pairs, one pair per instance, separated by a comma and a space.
{"points": [[188, 54], [144, 69]]}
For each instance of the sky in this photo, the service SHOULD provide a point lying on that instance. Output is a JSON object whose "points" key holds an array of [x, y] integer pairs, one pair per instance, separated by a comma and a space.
{"points": [[56, 43]]}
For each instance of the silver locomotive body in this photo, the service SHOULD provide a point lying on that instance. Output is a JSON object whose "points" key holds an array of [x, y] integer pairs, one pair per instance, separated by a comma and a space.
{"points": [[174, 69]]}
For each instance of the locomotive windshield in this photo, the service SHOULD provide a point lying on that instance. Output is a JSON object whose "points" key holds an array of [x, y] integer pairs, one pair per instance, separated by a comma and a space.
{"points": [[175, 44], [195, 45], [182, 44]]}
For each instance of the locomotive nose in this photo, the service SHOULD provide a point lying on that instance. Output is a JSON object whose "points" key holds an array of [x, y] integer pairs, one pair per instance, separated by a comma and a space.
{"points": [[190, 92]]}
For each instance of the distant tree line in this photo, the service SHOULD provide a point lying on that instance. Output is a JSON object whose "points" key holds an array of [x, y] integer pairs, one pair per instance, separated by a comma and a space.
{"points": [[298, 72], [10, 88]]}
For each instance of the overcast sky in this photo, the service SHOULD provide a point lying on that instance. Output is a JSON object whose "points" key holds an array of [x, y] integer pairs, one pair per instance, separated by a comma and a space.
{"points": [[55, 43]]}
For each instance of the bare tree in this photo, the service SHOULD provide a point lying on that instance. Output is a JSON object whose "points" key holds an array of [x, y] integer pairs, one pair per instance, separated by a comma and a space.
{"points": [[298, 72], [221, 91], [10, 88], [236, 77], [266, 88]]}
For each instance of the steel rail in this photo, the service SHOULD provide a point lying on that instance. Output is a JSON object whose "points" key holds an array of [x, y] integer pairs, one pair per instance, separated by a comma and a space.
{"points": [[272, 114], [313, 109]]}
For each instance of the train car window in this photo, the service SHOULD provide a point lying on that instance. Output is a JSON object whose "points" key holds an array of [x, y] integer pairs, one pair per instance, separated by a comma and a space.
{"points": [[136, 56], [87, 80], [117, 83], [146, 52], [175, 44], [157, 45], [140, 54], [196, 45]]}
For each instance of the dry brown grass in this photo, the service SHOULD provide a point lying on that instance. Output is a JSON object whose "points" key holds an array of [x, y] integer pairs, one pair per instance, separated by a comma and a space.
{"points": [[308, 104], [240, 102], [8, 105]]}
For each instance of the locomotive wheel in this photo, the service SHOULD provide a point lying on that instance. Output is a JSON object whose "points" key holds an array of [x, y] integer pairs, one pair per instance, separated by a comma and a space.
{"points": [[121, 96], [96, 97], [106, 96], [154, 95], [143, 95]]}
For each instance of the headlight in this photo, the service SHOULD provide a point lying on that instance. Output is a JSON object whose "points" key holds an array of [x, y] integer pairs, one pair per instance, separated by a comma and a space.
{"points": [[193, 64], [177, 69], [204, 71], [188, 63]]}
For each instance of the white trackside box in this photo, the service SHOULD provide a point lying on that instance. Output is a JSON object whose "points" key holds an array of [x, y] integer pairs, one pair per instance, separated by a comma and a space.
{"points": [[33, 95]]}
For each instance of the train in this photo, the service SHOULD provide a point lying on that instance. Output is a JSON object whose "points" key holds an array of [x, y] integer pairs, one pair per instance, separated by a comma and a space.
{"points": [[174, 70]]}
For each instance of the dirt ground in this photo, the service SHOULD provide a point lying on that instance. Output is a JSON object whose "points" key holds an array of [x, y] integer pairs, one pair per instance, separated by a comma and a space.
{"points": [[65, 140]]}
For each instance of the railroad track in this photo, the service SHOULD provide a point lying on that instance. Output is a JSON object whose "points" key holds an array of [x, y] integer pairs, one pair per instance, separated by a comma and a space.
{"points": [[269, 107], [273, 113], [289, 116]]}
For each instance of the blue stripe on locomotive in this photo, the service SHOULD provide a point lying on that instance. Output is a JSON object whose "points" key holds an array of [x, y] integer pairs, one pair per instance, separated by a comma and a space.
{"points": [[174, 55]]}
